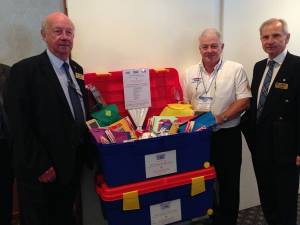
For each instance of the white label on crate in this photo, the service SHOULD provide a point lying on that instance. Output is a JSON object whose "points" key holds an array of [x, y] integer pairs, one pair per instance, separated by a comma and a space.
{"points": [[160, 163], [166, 212]]}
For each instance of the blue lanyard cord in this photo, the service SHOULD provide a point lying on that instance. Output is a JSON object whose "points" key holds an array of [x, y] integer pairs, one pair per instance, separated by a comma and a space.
{"points": [[213, 78]]}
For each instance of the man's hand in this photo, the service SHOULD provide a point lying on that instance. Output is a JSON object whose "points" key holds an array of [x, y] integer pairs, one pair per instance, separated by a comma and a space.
{"points": [[298, 160], [48, 176], [219, 119]]}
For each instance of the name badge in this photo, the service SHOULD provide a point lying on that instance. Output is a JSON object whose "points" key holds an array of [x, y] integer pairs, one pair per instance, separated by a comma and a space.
{"points": [[204, 103], [196, 80], [283, 86], [79, 76]]}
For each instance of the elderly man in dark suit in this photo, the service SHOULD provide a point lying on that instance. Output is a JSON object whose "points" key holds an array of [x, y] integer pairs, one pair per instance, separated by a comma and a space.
{"points": [[46, 106], [5, 158], [272, 125]]}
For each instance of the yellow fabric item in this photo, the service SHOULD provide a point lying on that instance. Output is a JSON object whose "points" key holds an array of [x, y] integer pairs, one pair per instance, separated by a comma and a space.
{"points": [[131, 200], [161, 70], [177, 109], [198, 185]]}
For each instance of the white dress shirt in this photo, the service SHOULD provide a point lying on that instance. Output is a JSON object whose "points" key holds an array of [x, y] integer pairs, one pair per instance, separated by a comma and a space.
{"points": [[278, 62], [230, 84], [63, 80]]}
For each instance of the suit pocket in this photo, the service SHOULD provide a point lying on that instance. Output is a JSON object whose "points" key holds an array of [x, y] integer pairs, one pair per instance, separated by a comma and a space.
{"points": [[285, 147]]}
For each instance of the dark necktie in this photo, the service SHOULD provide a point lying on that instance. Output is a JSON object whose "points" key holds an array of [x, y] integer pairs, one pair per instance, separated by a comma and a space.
{"points": [[74, 96], [265, 88]]}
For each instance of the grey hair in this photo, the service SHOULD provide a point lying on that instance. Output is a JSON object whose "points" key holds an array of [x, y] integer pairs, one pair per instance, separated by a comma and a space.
{"points": [[45, 22], [274, 20], [212, 30], [45, 25]]}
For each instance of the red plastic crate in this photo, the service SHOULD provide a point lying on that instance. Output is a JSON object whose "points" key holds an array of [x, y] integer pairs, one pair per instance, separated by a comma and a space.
{"points": [[160, 192], [164, 87]]}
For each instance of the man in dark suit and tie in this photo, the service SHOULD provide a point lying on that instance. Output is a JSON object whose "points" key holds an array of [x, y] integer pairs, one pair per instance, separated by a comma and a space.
{"points": [[272, 125], [46, 105], [6, 177]]}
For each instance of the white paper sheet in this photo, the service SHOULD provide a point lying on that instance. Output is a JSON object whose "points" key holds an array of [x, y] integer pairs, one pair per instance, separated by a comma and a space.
{"points": [[136, 84], [160, 163], [166, 212]]}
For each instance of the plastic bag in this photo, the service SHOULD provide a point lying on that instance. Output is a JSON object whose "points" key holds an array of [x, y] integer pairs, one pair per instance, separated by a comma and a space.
{"points": [[177, 109]]}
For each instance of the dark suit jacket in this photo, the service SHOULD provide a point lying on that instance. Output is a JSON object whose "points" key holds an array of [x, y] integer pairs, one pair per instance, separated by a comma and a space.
{"points": [[275, 137], [4, 72], [5, 152], [44, 131]]}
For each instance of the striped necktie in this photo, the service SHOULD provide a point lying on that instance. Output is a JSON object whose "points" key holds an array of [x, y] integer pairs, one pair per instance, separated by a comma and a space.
{"points": [[265, 88], [74, 96]]}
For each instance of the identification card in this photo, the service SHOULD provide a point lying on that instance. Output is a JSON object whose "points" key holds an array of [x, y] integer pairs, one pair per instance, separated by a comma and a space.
{"points": [[204, 103], [283, 86], [79, 76]]}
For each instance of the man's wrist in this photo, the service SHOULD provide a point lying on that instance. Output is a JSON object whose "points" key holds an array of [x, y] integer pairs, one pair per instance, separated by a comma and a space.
{"points": [[221, 119], [224, 118]]}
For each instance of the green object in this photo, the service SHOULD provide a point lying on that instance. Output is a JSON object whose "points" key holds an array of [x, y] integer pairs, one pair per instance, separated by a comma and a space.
{"points": [[106, 115]]}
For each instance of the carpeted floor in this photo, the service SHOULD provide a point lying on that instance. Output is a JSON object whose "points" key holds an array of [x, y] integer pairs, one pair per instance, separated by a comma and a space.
{"points": [[250, 216], [254, 216]]}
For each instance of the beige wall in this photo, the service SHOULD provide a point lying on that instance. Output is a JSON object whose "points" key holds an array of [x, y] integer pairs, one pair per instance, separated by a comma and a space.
{"points": [[116, 34], [241, 23], [20, 27]]}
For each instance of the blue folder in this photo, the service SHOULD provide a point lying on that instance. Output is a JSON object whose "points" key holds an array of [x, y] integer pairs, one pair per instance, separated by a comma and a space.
{"points": [[206, 119]]}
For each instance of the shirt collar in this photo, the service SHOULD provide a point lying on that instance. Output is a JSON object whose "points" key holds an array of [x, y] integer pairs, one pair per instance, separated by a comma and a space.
{"points": [[216, 68], [280, 58], [55, 61]]}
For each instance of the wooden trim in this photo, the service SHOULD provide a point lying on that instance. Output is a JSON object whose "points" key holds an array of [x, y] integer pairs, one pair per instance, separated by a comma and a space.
{"points": [[65, 7]]}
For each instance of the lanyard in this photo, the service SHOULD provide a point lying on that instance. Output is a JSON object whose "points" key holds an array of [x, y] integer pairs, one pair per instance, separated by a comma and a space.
{"points": [[212, 79]]}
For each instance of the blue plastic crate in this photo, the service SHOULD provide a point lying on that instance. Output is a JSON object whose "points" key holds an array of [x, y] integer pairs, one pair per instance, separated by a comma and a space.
{"points": [[126, 163], [172, 190]]}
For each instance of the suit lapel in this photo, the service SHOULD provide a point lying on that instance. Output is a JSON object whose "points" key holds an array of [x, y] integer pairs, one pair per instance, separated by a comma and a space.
{"points": [[257, 77], [50, 75], [273, 95], [78, 72]]}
